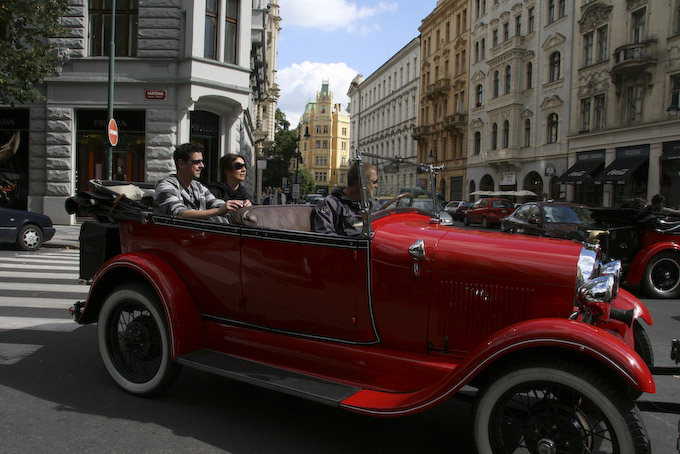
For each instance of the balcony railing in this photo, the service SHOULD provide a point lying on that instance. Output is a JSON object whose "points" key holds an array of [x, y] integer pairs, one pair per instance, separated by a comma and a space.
{"points": [[440, 86], [420, 131], [454, 121], [633, 57]]}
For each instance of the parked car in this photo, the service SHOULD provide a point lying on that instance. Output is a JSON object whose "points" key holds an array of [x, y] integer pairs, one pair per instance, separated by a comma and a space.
{"points": [[551, 219], [488, 211], [452, 207], [389, 323], [26, 230], [647, 244], [459, 215], [312, 199]]}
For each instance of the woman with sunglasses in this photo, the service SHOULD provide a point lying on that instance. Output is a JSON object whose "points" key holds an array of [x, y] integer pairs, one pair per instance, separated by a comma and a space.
{"points": [[230, 187]]}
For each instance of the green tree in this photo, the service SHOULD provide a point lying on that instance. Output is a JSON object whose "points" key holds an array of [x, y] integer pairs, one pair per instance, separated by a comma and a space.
{"points": [[285, 149], [307, 183], [25, 54]]}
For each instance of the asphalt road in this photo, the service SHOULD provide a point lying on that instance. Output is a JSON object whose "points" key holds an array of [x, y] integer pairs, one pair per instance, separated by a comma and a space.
{"points": [[60, 399]]}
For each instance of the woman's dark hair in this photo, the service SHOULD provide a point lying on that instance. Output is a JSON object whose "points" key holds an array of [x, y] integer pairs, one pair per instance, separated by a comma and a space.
{"points": [[227, 163]]}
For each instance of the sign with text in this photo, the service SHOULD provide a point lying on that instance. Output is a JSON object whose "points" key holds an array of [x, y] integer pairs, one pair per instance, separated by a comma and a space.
{"points": [[155, 94]]}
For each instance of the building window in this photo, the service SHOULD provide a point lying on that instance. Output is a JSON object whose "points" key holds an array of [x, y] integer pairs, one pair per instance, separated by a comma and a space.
{"points": [[531, 25], [325, 144], [675, 91], [599, 112], [562, 9], [325, 129], [518, 25], [506, 31], [463, 61], [602, 43], [477, 11], [506, 134], [318, 129], [478, 142], [344, 131], [530, 74], [635, 104], [553, 125], [527, 133], [585, 115], [494, 137], [479, 95], [551, 11], [318, 144], [230, 31], [494, 36], [483, 48], [448, 32], [588, 49], [126, 28], [677, 18], [496, 84], [638, 25], [554, 66], [477, 52], [508, 79]]}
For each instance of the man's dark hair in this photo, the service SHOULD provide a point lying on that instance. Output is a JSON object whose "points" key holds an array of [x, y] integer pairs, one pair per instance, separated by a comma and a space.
{"points": [[185, 151], [353, 172], [227, 162]]}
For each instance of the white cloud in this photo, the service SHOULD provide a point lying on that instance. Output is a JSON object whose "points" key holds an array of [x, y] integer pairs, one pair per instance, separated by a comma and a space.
{"points": [[330, 15], [300, 82]]}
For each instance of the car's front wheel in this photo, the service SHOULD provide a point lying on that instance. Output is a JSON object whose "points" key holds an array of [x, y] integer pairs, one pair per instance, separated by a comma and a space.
{"points": [[662, 275], [133, 340], [30, 237], [556, 407], [485, 223]]}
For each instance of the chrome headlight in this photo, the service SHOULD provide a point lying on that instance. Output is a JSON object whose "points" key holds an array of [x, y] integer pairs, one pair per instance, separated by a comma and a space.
{"points": [[598, 290], [588, 266], [614, 269]]}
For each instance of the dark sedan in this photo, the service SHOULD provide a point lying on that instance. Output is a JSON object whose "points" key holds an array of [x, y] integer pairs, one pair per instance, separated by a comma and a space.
{"points": [[551, 219], [27, 230]]}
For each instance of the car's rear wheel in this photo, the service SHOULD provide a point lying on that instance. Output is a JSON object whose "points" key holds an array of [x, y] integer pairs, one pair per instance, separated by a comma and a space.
{"points": [[485, 223], [662, 275], [556, 407], [30, 237], [133, 340]]}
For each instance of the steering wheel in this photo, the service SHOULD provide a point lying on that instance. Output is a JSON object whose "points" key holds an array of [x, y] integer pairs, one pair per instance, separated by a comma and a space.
{"points": [[397, 199]]}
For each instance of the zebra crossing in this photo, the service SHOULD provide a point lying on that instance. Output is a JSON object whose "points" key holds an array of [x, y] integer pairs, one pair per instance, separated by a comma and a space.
{"points": [[36, 290]]}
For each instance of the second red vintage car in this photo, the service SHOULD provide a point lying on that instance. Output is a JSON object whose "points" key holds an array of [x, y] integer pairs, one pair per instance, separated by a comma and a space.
{"points": [[488, 211], [390, 323]]}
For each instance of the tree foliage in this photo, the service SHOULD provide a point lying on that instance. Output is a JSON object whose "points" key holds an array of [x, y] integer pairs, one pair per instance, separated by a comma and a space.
{"points": [[25, 54], [283, 154]]}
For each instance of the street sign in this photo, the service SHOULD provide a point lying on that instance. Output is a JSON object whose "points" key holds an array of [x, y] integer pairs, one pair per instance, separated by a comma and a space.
{"points": [[296, 191], [112, 132]]}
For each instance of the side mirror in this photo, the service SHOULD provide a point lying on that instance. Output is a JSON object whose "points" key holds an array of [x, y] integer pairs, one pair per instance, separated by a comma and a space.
{"points": [[536, 220]]}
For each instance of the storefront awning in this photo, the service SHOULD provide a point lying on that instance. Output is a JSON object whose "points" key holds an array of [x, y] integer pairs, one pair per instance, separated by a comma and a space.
{"points": [[580, 170], [621, 170]]}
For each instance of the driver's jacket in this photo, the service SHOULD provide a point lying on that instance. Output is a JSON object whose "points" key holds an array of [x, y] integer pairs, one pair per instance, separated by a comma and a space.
{"points": [[337, 214]]}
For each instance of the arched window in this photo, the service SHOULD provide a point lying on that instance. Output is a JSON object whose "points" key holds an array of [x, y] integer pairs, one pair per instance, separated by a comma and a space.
{"points": [[553, 124], [479, 95], [508, 79], [554, 66], [494, 137], [478, 142], [530, 74], [506, 133], [496, 83], [527, 133]]}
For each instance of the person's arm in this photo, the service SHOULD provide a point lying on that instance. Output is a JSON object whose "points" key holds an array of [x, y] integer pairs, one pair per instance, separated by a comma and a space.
{"points": [[205, 214], [323, 218]]}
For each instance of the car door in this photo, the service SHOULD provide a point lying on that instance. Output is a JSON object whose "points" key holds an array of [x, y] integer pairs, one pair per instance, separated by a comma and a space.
{"points": [[474, 214], [535, 221], [8, 228]]}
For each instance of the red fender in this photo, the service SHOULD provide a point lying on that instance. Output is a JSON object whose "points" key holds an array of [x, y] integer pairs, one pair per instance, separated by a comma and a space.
{"points": [[642, 258], [626, 301], [185, 323], [553, 333]]}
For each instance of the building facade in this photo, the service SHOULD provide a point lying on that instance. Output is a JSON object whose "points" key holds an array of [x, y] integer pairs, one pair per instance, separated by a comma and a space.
{"points": [[442, 121], [624, 138], [384, 114], [185, 70], [520, 82], [324, 146]]}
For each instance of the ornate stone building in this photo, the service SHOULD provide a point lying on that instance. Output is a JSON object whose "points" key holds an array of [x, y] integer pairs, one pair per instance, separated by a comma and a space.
{"points": [[624, 132], [184, 71], [384, 112], [324, 145], [520, 81], [443, 120]]}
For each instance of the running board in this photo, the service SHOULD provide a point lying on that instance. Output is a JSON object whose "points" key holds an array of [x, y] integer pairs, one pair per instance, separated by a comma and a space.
{"points": [[274, 378]]}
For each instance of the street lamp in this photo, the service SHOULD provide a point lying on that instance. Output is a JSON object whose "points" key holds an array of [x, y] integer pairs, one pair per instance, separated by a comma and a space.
{"points": [[296, 183]]}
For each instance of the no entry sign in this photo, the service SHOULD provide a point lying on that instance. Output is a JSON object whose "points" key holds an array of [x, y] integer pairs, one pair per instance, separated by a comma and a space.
{"points": [[112, 132]]}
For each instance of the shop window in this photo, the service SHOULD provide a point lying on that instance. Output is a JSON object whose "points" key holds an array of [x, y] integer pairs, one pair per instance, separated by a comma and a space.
{"points": [[100, 28]]}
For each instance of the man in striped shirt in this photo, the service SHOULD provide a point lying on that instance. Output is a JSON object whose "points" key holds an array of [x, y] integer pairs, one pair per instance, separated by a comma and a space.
{"points": [[182, 194]]}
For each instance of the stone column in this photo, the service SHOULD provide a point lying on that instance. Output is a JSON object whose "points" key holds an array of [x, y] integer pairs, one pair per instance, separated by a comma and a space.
{"points": [[161, 138], [60, 164]]}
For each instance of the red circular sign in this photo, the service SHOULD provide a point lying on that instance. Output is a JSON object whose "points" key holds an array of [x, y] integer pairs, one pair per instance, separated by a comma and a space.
{"points": [[112, 132]]}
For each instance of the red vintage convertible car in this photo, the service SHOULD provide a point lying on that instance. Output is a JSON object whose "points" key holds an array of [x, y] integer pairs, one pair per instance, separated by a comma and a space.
{"points": [[387, 324]]}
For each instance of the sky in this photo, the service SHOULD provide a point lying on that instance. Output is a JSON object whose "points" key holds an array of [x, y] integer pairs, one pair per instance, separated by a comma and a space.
{"points": [[335, 40]]}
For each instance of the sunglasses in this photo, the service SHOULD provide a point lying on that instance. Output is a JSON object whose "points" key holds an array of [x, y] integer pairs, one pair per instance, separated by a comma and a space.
{"points": [[374, 181], [239, 165], [195, 161]]}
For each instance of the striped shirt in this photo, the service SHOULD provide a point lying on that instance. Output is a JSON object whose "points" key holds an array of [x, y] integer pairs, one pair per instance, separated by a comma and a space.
{"points": [[173, 199]]}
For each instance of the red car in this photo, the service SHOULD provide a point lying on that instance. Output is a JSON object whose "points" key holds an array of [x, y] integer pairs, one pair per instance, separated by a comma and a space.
{"points": [[390, 323], [488, 212]]}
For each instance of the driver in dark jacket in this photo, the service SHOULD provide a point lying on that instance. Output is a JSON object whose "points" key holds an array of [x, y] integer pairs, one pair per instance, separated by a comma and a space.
{"points": [[340, 212]]}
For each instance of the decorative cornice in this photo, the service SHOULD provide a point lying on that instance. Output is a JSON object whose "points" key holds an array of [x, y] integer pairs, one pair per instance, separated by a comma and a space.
{"points": [[595, 16], [553, 41], [552, 102]]}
